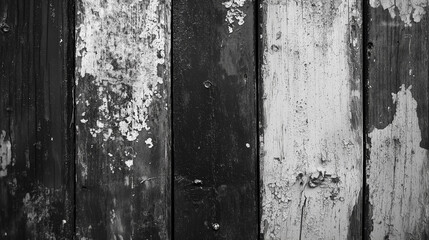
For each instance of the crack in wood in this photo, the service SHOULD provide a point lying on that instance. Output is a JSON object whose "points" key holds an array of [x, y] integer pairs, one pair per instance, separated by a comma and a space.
{"points": [[302, 217]]}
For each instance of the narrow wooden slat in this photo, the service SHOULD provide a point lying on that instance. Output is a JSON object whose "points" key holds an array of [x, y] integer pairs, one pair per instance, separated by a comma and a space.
{"points": [[36, 107], [397, 121], [311, 143], [214, 120], [123, 118]]}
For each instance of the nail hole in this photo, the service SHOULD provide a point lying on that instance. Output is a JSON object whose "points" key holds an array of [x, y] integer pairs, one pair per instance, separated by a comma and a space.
{"points": [[207, 84], [275, 48]]}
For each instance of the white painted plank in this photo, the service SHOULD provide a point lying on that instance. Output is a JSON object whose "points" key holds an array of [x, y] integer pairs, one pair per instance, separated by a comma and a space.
{"points": [[312, 120]]}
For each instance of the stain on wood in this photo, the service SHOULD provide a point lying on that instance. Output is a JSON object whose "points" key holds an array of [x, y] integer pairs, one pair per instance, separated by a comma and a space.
{"points": [[312, 125], [214, 120], [123, 119], [397, 120], [36, 120]]}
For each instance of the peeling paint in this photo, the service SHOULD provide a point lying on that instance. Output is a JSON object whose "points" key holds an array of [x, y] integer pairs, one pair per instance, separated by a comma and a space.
{"points": [[5, 154], [311, 166], [129, 163], [124, 64], [149, 142], [409, 11], [398, 174], [234, 13]]}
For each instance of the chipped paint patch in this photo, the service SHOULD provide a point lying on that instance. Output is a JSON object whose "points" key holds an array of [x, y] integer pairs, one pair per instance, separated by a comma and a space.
{"points": [[234, 13], [5, 154], [129, 163], [399, 174], [409, 11], [149, 142], [123, 66]]}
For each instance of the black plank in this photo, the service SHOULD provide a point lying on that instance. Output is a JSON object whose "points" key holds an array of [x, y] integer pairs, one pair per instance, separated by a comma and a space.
{"points": [[214, 122], [36, 113]]}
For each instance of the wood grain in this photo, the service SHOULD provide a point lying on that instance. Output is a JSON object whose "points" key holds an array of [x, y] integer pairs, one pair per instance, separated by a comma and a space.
{"points": [[311, 142], [397, 121], [123, 119], [36, 129], [214, 120]]}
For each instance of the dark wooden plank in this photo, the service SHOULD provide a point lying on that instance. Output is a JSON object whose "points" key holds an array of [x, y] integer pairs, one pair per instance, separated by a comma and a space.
{"points": [[36, 113], [123, 118], [214, 120], [397, 120]]}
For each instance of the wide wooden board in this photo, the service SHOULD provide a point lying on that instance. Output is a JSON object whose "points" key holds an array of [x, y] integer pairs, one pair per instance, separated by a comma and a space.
{"points": [[36, 119], [311, 138], [123, 119], [396, 122], [214, 120]]}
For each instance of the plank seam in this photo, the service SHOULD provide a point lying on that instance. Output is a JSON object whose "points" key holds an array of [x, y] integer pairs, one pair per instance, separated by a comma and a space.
{"points": [[365, 76], [171, 126], [71, 53], [258, 54]]}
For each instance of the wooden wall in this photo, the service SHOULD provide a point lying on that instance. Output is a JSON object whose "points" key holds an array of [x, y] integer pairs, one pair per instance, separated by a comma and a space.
{"points": [[214, 119]]}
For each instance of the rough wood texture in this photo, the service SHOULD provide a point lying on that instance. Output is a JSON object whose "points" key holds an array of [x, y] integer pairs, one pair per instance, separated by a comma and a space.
{"points": [[36, 130], [123, 110], [397, 120], [214, 120], [311, 143]]}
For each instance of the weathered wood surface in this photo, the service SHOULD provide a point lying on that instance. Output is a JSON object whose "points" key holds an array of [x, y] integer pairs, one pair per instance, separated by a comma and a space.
{"points": [[123, 119], [311, 142], [36, 129], [214, 120], [397, 120]]}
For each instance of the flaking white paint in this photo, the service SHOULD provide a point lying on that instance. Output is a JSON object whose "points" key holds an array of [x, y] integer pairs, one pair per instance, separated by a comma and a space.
{"points": [[234, 13], [398, 174], [149, 142], [129, 163], [5, 154], [119, 60], [311, 155], [408, 10]]}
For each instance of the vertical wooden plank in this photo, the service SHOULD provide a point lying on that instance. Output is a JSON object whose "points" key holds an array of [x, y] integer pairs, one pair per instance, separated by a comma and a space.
{"points": [[397, 121], [214, 120], [311, 143], [123, 109], [36, 129]]}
